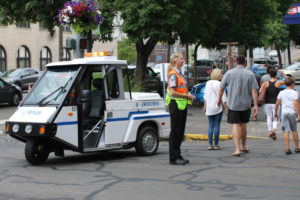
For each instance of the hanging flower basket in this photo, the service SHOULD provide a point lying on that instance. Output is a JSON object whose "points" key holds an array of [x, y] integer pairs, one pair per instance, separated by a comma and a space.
{"points": [[82, 15]]}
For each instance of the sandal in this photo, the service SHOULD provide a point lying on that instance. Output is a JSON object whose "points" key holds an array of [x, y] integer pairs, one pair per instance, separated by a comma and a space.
{"points": [[274, 136], [236, 154], [245, 150], [288, 151], [297, 150]]}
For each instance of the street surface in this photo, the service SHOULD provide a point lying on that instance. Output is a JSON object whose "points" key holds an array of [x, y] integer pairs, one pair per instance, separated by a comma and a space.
{"points": [[265, 173]]}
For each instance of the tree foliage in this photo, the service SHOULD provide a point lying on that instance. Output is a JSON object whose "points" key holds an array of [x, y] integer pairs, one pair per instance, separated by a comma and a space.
{"points": [[126, 51]]}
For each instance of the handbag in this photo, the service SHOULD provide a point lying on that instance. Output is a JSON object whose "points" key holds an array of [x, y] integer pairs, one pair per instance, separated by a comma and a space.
{"points": [[262, 95]]}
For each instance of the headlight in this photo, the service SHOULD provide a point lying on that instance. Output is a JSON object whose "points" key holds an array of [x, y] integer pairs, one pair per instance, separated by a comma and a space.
{"points": [[28, 129], [15, 128]]}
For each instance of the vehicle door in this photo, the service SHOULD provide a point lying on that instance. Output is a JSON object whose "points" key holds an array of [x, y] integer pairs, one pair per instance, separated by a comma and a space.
{"points": [[4, 92], [297, 73], [33, 76], [25, 78]]}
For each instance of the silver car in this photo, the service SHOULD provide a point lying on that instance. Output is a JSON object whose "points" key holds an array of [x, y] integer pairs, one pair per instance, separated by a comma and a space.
{"points": [[293, 71]]}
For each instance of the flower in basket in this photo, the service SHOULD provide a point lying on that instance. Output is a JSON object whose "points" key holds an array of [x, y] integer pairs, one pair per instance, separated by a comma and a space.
{"points": [[82, 15]]}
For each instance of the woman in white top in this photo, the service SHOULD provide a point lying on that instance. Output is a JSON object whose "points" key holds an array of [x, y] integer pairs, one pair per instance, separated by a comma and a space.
{"points": [[211, 108]]}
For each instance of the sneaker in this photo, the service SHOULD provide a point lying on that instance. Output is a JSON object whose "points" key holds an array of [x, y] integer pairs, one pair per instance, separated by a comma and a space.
{"points": [[288, 151], [217, 147], [210, 147]]}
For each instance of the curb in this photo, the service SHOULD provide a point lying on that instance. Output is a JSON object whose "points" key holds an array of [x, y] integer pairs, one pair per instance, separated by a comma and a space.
{"points": [[204, 137]]}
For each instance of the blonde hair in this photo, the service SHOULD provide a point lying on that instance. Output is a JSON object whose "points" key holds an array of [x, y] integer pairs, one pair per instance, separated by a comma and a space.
{"points": [[216, 74], [174, 57]]}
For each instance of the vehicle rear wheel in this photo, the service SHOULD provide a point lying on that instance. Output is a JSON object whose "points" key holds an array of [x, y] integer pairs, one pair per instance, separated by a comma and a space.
{"points": [[36, 152], [15, 100], [147, 141]]}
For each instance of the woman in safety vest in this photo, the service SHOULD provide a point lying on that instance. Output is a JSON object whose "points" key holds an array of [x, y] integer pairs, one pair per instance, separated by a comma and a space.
{"points": [[177, 99]]}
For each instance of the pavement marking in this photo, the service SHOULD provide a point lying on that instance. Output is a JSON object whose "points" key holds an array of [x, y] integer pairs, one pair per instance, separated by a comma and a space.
{"points": [[201, 137]]}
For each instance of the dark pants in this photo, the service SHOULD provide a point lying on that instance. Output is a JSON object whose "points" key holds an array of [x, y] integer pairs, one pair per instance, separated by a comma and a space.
{"points": [[178, 119]]}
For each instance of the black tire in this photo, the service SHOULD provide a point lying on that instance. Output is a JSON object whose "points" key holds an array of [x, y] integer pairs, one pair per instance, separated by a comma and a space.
{"points": [[147, 141], [36, 152], [15, 100]]}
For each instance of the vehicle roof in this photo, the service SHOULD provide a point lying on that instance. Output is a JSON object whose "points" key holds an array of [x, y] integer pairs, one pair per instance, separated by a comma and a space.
{"points": [[90, 61]]}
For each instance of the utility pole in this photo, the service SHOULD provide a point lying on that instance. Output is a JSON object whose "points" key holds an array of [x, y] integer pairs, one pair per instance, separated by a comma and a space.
{"points": [[229, 52]]}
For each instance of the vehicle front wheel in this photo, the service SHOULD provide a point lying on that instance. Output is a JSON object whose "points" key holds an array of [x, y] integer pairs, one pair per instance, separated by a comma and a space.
{"points": [[36, 152], [147, 141], [15, 100]]}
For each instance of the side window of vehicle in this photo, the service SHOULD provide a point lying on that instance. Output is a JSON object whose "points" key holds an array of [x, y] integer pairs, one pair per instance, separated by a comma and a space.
{"points": [[32, 72], [26, 73], [113, 82]]}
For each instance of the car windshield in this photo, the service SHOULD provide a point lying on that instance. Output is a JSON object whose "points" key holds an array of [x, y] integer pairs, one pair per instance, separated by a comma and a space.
{"points": [[293, 66], [52, 86], [12, 73]]}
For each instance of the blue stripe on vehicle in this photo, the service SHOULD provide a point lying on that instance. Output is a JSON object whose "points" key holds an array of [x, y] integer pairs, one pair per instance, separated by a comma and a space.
{"points": [[66, 123], [150, 117], [127, 118]]}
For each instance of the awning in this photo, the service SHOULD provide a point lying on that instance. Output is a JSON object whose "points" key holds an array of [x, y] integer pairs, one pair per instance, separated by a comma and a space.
{"points": [[293, 16]]}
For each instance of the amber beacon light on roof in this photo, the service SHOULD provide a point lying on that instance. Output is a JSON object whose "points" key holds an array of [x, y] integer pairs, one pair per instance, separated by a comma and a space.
{"points": [[96, 54]]}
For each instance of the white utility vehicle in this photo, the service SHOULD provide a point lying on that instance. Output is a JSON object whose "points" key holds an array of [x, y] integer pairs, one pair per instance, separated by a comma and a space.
{"points": [[86, 105]]}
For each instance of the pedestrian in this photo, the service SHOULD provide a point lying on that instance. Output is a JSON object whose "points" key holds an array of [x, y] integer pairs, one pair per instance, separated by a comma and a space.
{"points": [[177, 99], [267, 76], [211, 108], [290, 110], [241, 86], [272, 88], [254, 69]]}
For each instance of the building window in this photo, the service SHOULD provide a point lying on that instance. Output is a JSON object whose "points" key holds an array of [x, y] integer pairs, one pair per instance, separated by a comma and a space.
{"points": [[23, 57], [45, 57], [2, 59], [66, 28], [67, 55], [23, 24], [42, 25]]}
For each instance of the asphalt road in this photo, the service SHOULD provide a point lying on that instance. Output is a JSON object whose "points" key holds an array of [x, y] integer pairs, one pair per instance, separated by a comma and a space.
{"points": [[265, 173]]}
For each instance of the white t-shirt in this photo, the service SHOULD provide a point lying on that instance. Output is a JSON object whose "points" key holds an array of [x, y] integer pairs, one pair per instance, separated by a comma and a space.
{"points": [[211, 94], [287, 98]]}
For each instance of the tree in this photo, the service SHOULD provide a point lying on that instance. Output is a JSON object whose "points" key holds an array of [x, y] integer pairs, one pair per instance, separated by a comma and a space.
{"points": [[126, 51], [146, 22]]}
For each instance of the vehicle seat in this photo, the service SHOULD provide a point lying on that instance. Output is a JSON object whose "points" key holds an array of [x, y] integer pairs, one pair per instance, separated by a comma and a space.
{"points": [[85, 100], [97, 99]]}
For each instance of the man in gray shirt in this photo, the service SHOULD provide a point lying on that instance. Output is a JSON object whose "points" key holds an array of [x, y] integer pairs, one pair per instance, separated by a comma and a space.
{"points": [[241, 86]]}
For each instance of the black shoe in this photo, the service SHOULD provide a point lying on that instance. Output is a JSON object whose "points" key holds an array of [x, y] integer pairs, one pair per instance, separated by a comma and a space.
{"points": [[288, 151], [178, 162], [182, 158]]}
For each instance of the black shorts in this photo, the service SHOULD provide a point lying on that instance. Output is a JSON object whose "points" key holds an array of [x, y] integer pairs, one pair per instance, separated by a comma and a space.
{"points": [[236, 117]]}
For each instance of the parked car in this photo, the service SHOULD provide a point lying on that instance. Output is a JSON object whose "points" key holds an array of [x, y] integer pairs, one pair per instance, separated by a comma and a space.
{"points": [[198, 90], [153, 82], [10, 93], [204, 68], [293, 71], [22, 77], [273, 53], [265, 63]]}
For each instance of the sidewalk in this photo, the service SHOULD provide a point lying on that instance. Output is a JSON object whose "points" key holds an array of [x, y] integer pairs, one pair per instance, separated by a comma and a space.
{"points": [[197, 125]]}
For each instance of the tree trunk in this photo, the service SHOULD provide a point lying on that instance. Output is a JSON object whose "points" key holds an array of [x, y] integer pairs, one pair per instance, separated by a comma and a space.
{"points": [[143, 53], [195, 67], [279, 56], [289, 53]]}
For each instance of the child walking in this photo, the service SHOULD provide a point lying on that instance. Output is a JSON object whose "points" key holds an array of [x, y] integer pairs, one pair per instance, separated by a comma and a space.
{"points": [[290, 110]]}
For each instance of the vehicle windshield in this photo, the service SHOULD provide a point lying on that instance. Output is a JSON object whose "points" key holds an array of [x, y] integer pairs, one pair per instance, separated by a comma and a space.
{"points": [[12, 73], [52, 86], [293, 66]]}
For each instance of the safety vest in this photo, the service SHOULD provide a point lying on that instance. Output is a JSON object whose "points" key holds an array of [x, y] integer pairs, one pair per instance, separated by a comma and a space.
{"points": [[181, 88]]}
